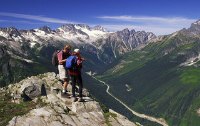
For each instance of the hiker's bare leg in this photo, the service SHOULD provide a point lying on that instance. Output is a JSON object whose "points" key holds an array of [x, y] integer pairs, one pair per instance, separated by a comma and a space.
{"points": [[65, 84]]}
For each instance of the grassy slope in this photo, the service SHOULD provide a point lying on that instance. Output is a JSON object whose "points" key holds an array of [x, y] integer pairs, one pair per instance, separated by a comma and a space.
{"points": [[7, 107], [160, 86]]}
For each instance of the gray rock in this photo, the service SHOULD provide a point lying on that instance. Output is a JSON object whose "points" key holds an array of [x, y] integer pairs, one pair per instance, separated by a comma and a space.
{"points": [[79, 107], [32, 91], [56, 123], [59, 111]]}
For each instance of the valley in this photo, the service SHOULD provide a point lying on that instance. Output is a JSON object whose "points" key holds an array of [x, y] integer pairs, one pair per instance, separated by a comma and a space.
{"points": [[153, 119], [163, 87]]}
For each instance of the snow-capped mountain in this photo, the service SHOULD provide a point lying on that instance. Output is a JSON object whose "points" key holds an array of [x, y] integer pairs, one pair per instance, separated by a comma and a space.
{"points": [[107, 46], [81, 32], [100, 28], [76, 33], [11, 33], [96, 39]]}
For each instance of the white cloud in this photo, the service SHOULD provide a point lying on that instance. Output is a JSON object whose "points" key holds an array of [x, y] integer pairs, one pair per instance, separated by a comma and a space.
{"points": [[146, 19], [35, 17], [23, 22], [157, 25]]}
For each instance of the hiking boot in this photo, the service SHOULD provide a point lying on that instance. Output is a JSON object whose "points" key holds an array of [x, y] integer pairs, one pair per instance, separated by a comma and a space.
{"points": [[80, 99], [73, 99]]}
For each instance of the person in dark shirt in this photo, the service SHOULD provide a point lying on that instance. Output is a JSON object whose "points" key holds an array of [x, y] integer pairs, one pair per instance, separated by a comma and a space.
{"points": [[75, 75], [62, 56]]}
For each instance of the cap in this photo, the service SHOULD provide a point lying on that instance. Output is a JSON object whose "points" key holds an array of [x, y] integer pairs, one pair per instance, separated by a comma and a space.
{"points": [[76, 50]]}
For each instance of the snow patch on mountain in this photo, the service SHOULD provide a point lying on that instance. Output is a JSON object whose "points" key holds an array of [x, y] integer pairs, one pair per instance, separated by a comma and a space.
{"points": [[197, 22], [93, 34], [4, 34], [32, 44]]}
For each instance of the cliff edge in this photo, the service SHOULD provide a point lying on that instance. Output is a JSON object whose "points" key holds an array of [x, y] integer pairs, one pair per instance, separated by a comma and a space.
{"points": [[38, 101]]}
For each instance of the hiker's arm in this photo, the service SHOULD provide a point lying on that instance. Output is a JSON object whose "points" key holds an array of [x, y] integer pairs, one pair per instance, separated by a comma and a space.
{"points": [[83, 59], [62, 61]]}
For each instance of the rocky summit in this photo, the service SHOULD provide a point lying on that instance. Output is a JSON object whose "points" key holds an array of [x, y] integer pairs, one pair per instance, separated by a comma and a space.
{"points": [[49, 107]]}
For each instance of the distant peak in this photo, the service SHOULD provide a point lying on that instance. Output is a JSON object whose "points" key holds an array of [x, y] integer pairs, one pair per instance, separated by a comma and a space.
{"points": [[133, 31], [196, 23], [9, 29], [100, 28], [74, 26], [67, 25], [126, 29], [45, 28], [83, 26]]}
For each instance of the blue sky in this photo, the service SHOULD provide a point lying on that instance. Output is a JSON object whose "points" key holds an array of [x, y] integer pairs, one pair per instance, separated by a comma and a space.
{"points": [[158, 16]]}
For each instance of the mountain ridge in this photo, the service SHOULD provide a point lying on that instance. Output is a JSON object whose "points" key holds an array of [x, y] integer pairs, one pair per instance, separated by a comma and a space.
{"points": [[163, 76]]}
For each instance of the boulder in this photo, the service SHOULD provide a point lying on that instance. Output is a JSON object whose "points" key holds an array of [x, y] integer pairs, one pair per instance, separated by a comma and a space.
{"points": [[32, 91], [32, 88]]}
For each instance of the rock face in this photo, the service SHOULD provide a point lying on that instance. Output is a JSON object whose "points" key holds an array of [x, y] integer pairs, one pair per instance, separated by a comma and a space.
{"points": [[127, 40], [193, 30], [59, 110]]}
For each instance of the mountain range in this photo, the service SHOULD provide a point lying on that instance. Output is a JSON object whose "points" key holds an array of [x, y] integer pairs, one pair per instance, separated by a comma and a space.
{"points": [[20, 48]]}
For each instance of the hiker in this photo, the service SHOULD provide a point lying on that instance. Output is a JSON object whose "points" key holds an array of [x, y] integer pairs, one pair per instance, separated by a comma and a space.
{"points": [[62, 56], [75, 74]]}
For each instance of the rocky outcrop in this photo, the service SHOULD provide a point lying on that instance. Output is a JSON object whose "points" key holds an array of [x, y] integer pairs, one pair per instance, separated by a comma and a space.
{"points": [[59, 110]]}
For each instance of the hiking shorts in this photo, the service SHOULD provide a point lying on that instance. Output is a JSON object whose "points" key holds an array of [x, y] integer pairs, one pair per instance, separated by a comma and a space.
{"points": [[62, 72]]}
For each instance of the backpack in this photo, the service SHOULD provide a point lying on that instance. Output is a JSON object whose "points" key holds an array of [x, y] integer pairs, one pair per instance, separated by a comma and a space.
{"points": [[55, 58], [71, 62]]}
